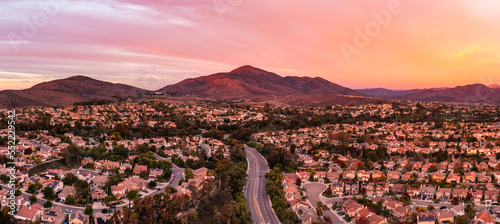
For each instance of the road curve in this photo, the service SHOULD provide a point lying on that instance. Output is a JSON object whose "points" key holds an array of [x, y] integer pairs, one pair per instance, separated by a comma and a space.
{"points": [[258, 201]]}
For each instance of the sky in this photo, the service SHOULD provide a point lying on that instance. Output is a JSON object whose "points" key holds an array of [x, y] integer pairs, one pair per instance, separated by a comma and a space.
{"points": [[395, 44]]}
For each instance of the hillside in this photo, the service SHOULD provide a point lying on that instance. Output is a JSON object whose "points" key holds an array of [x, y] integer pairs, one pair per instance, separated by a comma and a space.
{"points": [[66, 92], [248, 82]]}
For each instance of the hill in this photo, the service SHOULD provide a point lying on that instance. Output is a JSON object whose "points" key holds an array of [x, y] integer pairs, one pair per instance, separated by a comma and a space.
{"points": [[66, 92]]}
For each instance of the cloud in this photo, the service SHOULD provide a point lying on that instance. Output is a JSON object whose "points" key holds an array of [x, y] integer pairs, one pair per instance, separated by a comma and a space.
{"points": [[120, 40]]}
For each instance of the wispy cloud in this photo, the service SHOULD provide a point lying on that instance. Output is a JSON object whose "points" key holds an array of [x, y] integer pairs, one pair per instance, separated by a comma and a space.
{"points": [[429, 44]]}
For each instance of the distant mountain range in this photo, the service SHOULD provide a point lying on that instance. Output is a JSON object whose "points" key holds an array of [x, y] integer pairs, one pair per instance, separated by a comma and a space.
{"points": [[494, 86], [243, 83], [476, 93]]}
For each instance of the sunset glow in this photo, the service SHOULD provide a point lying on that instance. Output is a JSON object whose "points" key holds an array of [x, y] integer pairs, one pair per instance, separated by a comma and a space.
{"points": [[151, 44]]}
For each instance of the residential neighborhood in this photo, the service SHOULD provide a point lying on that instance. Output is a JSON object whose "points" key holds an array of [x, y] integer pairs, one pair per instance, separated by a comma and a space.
{"points": [[90, 165]]}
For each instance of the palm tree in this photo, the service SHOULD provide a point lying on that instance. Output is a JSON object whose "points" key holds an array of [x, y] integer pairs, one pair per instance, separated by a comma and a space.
{"points": [[414, 176], [429, 178], [300, 212], [406, 187], [431, 208]]}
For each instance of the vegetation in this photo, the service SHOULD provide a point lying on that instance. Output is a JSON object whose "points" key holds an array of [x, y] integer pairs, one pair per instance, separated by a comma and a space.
{"points": [[218, 201], [280, 204]]}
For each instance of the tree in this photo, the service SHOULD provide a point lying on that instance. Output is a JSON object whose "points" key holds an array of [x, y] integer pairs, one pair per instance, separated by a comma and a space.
{"points": [[131, 195], [33, 199], [47, 204], [88, 210], [426, 142], [144, 174], [48, 193], [329, 191], [4, 215], [70, 200], [298, 182], [431, 208], [152, 184], [70, 179], [319, 208], [461, 219]]}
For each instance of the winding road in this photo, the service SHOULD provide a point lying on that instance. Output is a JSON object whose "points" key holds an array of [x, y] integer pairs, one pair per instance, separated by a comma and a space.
{"points": [[258, 201], [178, 172]]}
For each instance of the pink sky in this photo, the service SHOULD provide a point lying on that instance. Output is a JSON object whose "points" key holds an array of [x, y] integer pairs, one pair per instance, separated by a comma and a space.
{"points": [[154, 43]]}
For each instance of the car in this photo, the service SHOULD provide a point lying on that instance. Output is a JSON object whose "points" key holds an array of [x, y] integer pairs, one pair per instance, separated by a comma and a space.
{"points": [[428, 200], [260, 175], [341, 220], [442, 207], [413, 203], [158, 189], [341, 213]]}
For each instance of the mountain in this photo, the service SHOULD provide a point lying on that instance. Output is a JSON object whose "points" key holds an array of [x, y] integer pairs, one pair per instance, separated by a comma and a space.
{"points": [[476, 93], [494, 86], [381, 92], [67, 91], [241, 83], [388, 93], [319, 85], [247, 82]]}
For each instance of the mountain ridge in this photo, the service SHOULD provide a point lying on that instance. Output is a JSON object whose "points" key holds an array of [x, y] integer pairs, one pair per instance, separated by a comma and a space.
{"points": [[243, 83], [247, 82]]}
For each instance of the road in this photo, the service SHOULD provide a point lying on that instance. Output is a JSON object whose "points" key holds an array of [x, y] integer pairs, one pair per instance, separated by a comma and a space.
{"points": [[178, 172], [177, 175], [258, 201], [42, 146], [313, 192]]}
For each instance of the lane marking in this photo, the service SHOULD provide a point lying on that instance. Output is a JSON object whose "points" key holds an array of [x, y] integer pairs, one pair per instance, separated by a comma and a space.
{"points": [[257, 206]]}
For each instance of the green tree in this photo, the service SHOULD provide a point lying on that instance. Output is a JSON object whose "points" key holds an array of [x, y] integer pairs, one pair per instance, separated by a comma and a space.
{"points": [[33, 199], [152, 184], [88, 210], [48, 193], [431, 208], [70, 200], [47, 204], [131, 195], [69, 179]]}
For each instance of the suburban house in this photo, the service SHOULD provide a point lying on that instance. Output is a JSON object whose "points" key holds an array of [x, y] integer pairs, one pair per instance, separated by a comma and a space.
{"points": [[445, 217], [459, 193], [54, 215], [484, 218], [491, 196], [67, 191], [134, 183], [119, 191], [78, 217], [351, 188], [139, 168], [443, 193], [56, 185], [428, 192], [154, 173], [426, 218], [97, 194], [29, 213]]}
